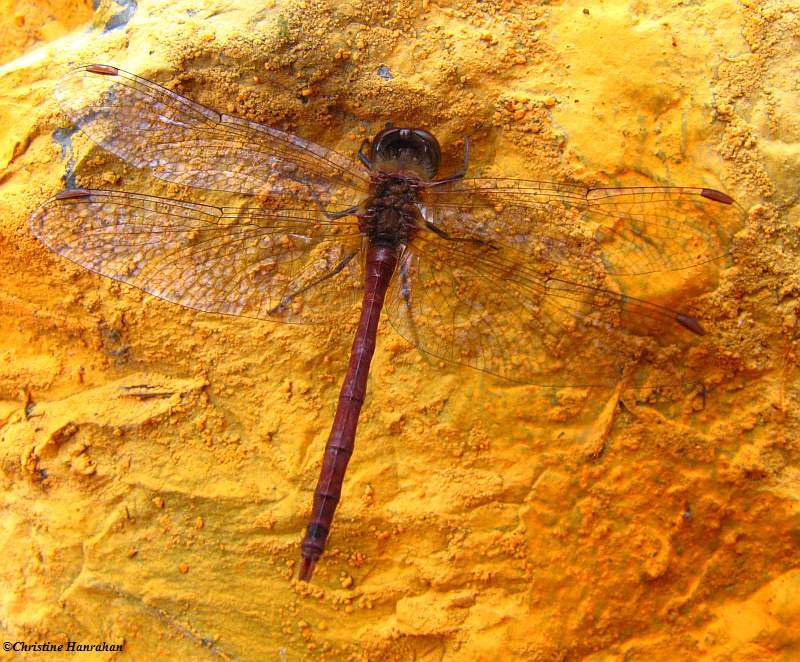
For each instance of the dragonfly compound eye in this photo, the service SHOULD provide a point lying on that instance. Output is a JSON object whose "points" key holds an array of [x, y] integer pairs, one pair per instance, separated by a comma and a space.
{"points": [[409, 147]]}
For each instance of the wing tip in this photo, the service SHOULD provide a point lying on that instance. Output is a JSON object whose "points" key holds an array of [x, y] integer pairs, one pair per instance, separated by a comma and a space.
{"points": [[717, 196], [73, 193], [37, 219], [102, 69], [690, 323]]}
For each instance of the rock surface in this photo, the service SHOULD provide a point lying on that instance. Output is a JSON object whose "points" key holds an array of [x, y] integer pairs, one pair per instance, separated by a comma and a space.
{"points": [[157, 464]]}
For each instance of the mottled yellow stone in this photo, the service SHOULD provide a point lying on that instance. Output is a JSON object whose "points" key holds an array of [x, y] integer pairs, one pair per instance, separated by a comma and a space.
{"points": [[501, 521]]}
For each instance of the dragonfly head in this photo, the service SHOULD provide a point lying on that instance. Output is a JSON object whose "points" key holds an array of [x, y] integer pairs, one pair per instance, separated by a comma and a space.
{"points": [[407, 147]]}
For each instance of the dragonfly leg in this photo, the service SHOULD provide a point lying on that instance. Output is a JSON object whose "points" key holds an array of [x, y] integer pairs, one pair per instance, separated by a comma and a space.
{"points": [[364, 158], [442, 233], [332, 216], [456, 175], [446, 235], [287, 299]]}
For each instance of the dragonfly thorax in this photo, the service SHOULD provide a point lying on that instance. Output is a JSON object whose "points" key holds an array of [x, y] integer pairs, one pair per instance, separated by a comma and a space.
{"points": [[391, 215]]}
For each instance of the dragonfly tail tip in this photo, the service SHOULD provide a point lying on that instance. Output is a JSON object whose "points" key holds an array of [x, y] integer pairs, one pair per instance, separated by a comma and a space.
{"points": [[306, 569]]}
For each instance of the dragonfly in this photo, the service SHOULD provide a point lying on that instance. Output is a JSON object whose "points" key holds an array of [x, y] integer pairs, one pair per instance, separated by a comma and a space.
{"points": [[530, 281]]}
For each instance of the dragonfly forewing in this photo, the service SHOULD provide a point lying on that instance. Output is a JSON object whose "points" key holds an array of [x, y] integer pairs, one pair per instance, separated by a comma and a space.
{"points": [[638, 230], [181, 141]]}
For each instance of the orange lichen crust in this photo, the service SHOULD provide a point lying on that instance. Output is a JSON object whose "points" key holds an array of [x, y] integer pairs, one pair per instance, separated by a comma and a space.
{"points": [[158, 463]]}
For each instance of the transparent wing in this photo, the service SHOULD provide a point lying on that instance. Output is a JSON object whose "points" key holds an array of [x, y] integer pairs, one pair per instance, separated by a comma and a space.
{"points": [[490, 307], [184, 142], [637, 230], [287, 263]]}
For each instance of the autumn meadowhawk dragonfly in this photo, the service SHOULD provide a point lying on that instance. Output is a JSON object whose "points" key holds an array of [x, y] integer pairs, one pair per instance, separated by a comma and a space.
{"points": [[531, 281]]}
